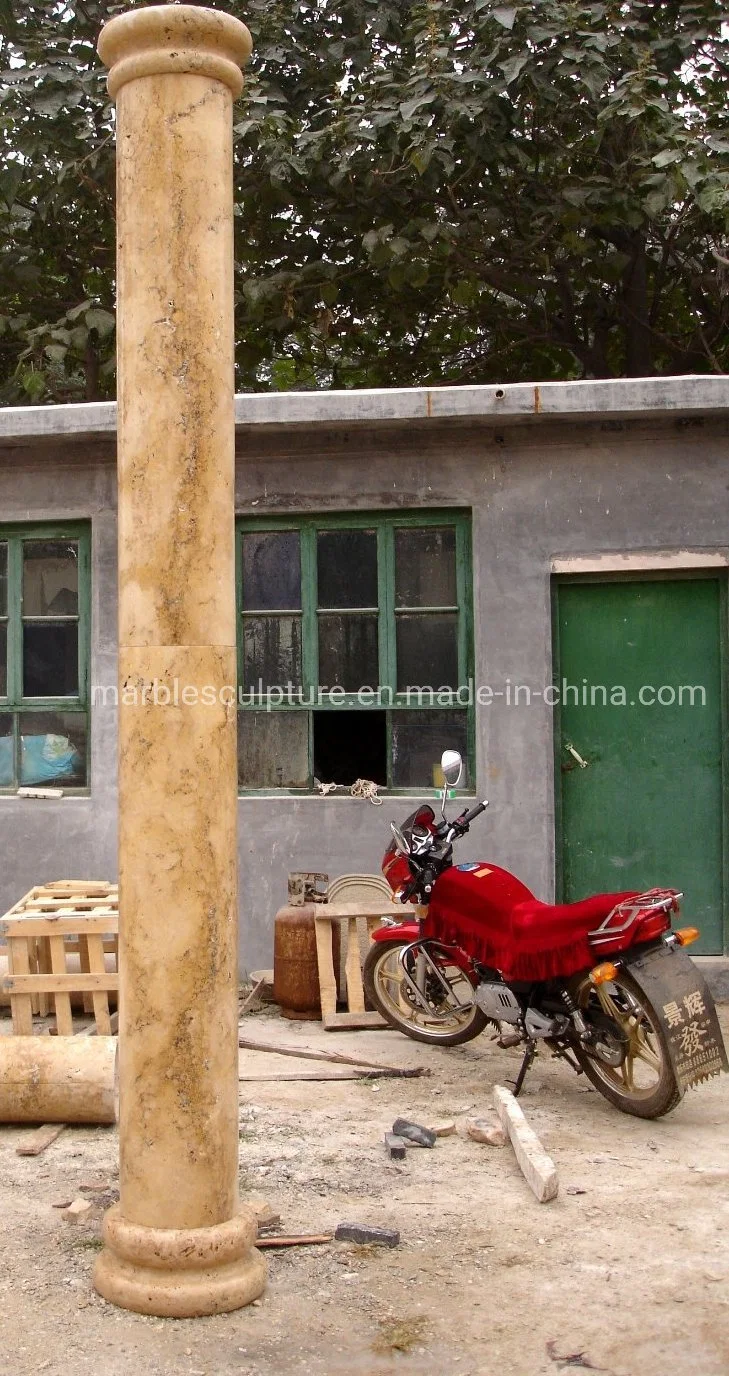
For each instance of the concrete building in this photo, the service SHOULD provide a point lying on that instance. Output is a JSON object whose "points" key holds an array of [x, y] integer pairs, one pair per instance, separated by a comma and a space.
{"points": [[536, 574]]}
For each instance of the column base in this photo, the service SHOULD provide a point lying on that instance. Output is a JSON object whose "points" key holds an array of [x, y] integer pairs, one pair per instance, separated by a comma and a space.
{"points": [[180, 1273]]}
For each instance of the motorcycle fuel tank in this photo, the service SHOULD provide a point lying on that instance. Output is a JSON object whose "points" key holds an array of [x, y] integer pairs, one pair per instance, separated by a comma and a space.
{"points": [[479, 892]]}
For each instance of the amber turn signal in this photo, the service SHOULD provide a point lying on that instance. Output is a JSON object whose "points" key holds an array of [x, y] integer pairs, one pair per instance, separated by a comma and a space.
{"points": [[685, 935], [602, 973]]}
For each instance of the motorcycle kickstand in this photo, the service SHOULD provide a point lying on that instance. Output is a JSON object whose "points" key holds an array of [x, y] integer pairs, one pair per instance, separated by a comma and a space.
{"points": [[529, 1055]]}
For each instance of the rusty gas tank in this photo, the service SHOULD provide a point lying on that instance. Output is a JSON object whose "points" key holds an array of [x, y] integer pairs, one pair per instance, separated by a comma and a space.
{"points": [[295, 969]]}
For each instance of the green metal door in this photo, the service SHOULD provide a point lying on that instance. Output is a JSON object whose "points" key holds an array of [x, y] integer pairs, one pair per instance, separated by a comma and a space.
{"points": [[639, 691]]}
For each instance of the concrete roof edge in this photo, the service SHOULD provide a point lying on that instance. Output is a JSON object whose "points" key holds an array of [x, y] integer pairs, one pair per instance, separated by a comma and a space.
{"points": [[493, 402]]}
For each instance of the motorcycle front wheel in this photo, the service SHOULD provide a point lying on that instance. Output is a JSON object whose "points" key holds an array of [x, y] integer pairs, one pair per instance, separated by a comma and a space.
{"points": [[425, 1005], [643, 1083]]}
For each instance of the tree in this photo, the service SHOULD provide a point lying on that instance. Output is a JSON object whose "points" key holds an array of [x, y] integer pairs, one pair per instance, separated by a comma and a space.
{"points": [[426, 192]]}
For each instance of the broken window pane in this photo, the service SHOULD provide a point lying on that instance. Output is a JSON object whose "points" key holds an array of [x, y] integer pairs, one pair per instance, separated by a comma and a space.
{"points": [[50, 659], [271, 652], [347, 568], [273, 749], [3, 659], [425, 567], [427, 651], [350, 745], [271, 571], [347, 651], [53, 749], [7, 752], [418, 741], [50, 578], [3, 580]]}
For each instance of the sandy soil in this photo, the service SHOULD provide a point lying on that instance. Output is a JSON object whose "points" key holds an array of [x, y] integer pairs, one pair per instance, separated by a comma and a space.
{"points": [[626, 1272]]}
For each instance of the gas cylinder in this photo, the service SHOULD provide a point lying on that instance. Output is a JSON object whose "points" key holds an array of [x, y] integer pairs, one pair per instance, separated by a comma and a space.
{"points": [[295, 969]]}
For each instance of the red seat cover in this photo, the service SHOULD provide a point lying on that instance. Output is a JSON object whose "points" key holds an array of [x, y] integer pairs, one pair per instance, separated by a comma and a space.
{"points": [[498, 921]]}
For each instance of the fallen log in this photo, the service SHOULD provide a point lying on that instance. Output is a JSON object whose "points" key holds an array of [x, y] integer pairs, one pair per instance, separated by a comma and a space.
{"points": [[338, 1057], [58, 1079]]}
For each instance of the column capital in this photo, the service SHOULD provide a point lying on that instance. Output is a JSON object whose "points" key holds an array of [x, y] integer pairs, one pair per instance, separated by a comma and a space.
{"points": [[175, 39]]}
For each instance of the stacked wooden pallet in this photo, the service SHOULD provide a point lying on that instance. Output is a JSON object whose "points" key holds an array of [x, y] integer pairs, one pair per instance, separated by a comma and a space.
{"points": [[58, 938]]}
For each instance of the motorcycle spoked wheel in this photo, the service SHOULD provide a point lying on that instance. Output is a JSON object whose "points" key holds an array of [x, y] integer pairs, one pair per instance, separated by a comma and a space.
{"points": [[445, 1023], [644, 1084]]}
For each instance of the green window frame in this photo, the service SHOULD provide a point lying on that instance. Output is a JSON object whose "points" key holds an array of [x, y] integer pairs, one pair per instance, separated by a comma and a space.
{"points": [[44, 735], [401, 710]]}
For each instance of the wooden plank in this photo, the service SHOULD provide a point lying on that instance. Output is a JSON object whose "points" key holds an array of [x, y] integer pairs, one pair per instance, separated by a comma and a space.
{"points": [[325, 963], [303, 1240], [43, 966], [37, 1141], [537, 1167], [252, 997], [366, 908], [353, 969], [105, 924], [64, 1016], [307, 1053], [85, 968], [63, 984], [100, 1000], [333, 1021], [21, 1008]]}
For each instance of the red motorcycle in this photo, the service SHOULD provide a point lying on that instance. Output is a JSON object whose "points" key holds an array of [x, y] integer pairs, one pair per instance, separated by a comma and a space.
{"points": [[605, 983]]}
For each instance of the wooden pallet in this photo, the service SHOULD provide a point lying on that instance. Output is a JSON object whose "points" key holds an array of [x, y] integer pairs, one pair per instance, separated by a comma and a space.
{"points": [[51, 922], [349, 916]]}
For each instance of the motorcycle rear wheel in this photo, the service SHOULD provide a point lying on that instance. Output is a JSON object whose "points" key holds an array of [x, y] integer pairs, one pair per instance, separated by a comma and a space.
{"points": [[444, 1023], [644, 1085]]}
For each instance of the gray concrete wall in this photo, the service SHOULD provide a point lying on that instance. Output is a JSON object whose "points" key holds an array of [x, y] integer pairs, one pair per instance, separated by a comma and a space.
{"points": [[536, 491]]}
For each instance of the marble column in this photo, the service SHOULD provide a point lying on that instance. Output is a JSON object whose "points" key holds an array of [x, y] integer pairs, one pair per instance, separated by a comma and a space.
{"points": [[179, 1242]]}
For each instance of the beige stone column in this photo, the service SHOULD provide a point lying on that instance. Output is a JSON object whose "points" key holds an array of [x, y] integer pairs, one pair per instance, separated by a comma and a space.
{"points": [[178, 1243]]}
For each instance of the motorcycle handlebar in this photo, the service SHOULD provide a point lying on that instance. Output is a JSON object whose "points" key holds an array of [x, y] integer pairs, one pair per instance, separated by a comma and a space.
{"points": [[467, 817]]}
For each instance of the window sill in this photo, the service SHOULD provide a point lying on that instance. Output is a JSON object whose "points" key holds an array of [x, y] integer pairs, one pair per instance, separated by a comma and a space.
{"points": [[291, 795]]}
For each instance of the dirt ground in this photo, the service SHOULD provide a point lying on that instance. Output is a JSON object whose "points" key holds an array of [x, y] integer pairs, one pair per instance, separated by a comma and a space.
{"points": [[625, 1273]]}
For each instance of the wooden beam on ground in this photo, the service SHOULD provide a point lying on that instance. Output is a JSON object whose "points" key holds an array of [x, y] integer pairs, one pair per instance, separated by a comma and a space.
{"points": [[305, 1240], [537, 1167], [37, 1141], [307, 1053]]}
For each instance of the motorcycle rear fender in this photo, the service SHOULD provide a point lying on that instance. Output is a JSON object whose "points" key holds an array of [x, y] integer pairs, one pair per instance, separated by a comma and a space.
{"points": [[685, 1009]]}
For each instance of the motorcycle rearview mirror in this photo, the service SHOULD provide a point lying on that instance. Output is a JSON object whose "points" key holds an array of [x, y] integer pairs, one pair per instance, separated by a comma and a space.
{"points": [[451, 767], [400, 840]]}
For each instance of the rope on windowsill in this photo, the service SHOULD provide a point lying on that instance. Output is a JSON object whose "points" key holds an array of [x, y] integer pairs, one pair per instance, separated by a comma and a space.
{"points": [[366, 788]]}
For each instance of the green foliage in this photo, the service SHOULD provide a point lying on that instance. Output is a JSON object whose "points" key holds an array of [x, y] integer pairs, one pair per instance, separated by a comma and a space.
{"points": [[426, 192]]}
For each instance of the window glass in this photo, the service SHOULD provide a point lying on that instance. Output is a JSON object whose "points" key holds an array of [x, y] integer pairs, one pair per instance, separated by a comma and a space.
{"points": [[425, 567], [347, 568], [3, 579], [347, 651], [273, 749], [418, 741], [50, 659], [427, 650], [50, 578], [53, 748], [271, 571], [7, 765], [333, 607], [3, 658], [271, 651]]}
